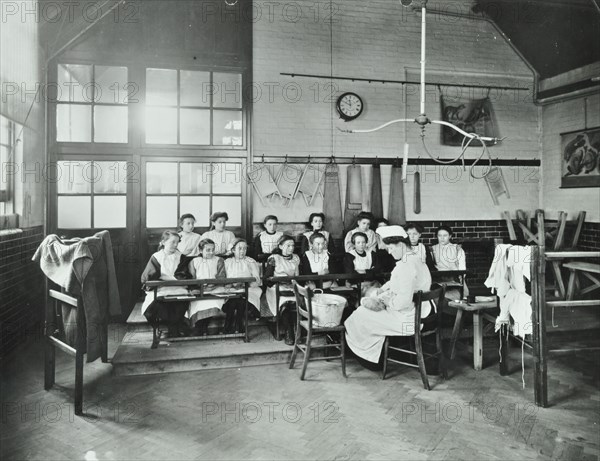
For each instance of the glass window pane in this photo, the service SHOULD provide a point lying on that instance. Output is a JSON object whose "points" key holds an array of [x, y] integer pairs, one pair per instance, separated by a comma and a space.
{"points": [[233, 207], [161, 87], [75, 212], [110, 212], [161, 178], [198, 206], [73, 123], [110, 124], [161, 125], [227, 178], [74, 83], [111, 179], [5, 137], [4, 176], [161, 212], [194, 126], [76, 177], [195, 178], [195, 88], [227, 128], [111, 85], [227, 90]]}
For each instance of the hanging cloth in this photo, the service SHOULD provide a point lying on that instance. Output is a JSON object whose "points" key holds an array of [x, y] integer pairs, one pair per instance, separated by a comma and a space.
{"points": [[353, 196], [332, 204], [397, 210], [376, 194]]}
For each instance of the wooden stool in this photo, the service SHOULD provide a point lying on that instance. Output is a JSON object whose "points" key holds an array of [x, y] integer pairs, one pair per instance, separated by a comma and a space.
{"points": [[585, 268], [478, 309]]}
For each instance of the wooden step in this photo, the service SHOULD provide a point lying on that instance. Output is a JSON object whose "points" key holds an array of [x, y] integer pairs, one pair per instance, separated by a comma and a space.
{"points": [[134, 356]]}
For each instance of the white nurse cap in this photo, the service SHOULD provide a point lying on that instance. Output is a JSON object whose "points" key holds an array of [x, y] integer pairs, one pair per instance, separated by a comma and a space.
{"points": [[391, 231]]}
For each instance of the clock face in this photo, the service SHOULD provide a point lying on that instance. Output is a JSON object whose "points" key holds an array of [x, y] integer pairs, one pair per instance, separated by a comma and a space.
{"points": [[349, 106]]}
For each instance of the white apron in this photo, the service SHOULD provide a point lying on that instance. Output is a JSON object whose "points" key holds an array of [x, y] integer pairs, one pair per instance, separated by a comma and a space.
{"points": [[205, 308], [246, 267], [168, 266], [361, 265], [188, 245], [222, 240], [319, 264], [283, 268]]}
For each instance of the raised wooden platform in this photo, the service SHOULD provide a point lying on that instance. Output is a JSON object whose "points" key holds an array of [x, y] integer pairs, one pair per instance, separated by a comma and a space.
{"points": [[134, 356]]}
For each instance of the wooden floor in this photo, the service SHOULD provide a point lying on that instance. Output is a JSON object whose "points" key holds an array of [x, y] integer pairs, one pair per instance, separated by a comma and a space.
{"points": [[266, 412]]}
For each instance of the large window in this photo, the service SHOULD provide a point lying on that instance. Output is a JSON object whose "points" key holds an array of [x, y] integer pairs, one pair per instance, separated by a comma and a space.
{"points": [[11, 145], [92, 195], [92, 104], [193, 108], [175, 188]]}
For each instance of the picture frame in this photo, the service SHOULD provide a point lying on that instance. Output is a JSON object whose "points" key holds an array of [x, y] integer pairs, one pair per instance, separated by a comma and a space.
{"points": [[580, 158]]}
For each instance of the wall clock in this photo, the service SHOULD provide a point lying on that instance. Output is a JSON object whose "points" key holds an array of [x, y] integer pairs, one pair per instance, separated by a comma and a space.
{"points": [[349, 106]]}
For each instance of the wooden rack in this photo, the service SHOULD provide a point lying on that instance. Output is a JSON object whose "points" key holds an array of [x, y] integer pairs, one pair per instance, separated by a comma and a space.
{"points": [[539, 305], [391, 161]]}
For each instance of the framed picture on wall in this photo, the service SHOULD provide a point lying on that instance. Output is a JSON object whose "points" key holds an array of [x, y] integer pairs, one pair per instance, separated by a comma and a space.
{"points": [[580, 158]]}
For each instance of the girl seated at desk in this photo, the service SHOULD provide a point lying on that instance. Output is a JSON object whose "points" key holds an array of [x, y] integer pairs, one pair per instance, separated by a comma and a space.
{"points": [[283, 263], [360, 260], [218, 234], [450, 257], [363, 224], [205, 266], [266, 241], [166, 264], [316, 261], [238, 266], [188, 245], [414, 232], [316, 223]]}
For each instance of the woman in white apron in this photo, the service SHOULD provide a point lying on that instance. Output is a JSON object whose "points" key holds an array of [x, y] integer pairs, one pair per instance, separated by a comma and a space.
{"points": [[283, 263], [166, 264], [391, 312], [240, 265], [206, 266]]}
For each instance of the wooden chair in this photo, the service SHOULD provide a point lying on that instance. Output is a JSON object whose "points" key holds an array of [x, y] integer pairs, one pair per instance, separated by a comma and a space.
{"points": [[431, 325], [305, 321]]}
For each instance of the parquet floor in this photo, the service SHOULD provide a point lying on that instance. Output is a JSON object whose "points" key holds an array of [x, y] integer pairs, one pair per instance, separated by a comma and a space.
{"points": [[268, 413]]}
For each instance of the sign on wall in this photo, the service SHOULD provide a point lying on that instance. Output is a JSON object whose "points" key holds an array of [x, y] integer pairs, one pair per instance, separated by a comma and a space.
{"points": [[580, 163]]}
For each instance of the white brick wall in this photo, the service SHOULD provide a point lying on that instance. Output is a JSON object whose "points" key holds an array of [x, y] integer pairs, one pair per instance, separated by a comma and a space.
{"points": [[559, 118], [380, 39]]}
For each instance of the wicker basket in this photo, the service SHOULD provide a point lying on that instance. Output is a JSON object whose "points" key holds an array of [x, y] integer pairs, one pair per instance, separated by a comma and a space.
{"points": [[327, 309]]}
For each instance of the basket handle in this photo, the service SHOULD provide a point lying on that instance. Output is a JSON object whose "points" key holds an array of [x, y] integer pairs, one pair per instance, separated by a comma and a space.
{"points": [[318, 291]]}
